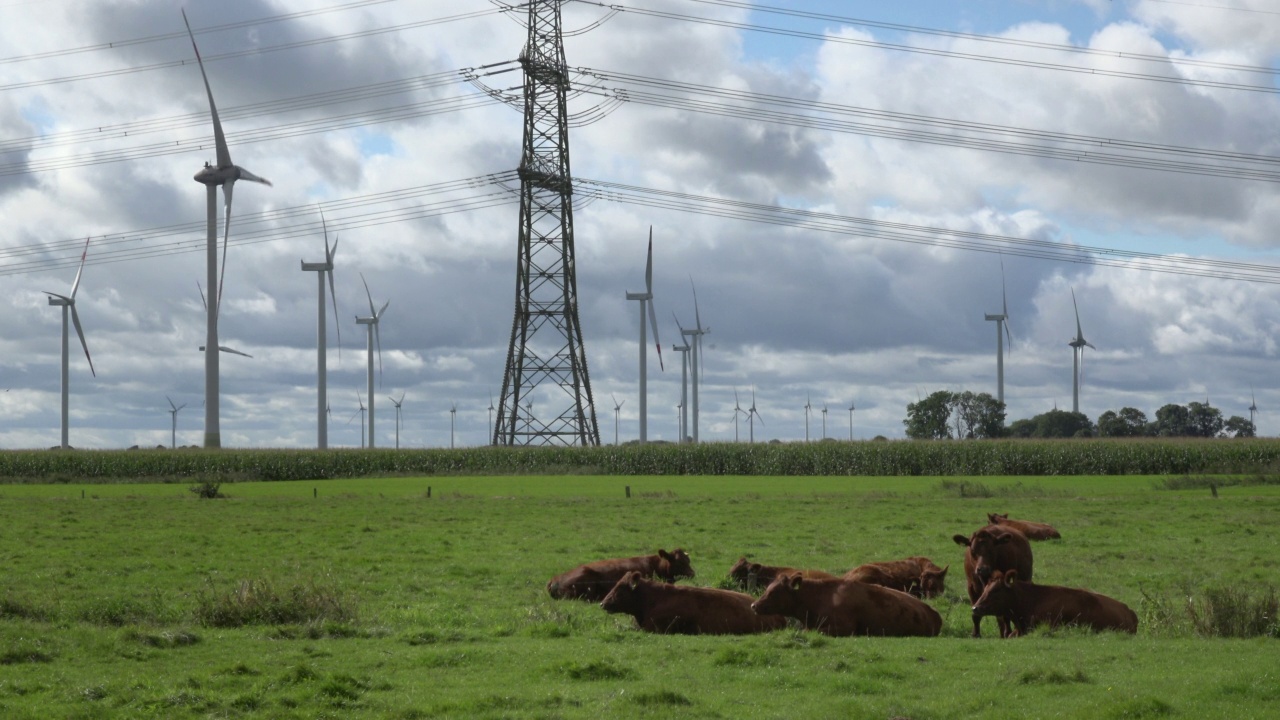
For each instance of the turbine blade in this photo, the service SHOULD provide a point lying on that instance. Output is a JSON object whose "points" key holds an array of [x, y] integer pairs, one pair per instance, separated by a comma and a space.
{"points": [[1079, 331], [384, 309], [203, 302], [233, 351], [333, 296], [227, 188], [653, 323], [75, 319], [220, 140], [76, 284], [648, 268], [1004, 298], [377, 338], [697, 317], [175, 408], [246, 175], [372, 312]]}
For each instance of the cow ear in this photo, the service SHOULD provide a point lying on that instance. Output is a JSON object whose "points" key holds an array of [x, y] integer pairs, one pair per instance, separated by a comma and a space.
{"points": [[961, 540], [664, 554], [795, 581], [1009, 577], [944, 571]]}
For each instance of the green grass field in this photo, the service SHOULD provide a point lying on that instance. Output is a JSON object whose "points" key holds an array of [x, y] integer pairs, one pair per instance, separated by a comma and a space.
{"points": [[119, 600]]}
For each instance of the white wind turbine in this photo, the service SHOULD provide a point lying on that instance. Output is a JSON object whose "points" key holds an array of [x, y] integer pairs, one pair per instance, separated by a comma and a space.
{"points": [[615, 429], [173, 441], [222, 348], [323, 270], [397, 403], [1077, 356], [68, 305], [737, 411], [851, 409], [824, 422], [695, 362], [1002, 331], [752, 415], [359, 412], [375, 336], [646, 308], [684, 383], [1253, 410], [225, 173], [453, 413], [808, 406], [617, 413]]}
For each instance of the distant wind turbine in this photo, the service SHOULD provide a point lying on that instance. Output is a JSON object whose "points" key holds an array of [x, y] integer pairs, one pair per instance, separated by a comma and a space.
{"points": [[752, 415], [808, 406], [695, 362], [68, 305], [824, 422], [375, 336], [684, 383], [617, 413], [646, 308], [397, 403], [225, 173], [323, 270], [173, 442], [1077, 356], [359, 412], [737, 411], [453, 413], [851, 409], [1002, 331], [491, 413]]}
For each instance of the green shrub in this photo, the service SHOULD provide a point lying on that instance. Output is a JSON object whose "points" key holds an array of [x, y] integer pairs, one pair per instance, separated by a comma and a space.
{"points": [[264, 602], [1235, 612]]}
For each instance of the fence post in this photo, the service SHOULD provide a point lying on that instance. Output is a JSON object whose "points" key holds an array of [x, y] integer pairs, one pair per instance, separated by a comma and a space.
{"points": [[628, 491]]}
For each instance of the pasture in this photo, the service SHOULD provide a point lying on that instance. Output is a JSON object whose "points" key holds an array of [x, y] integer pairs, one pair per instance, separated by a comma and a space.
{"points": [[367, 598]]}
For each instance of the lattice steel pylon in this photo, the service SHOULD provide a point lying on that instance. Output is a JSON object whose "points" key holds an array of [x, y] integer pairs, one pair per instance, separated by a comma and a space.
{"points": [[546, 336]]}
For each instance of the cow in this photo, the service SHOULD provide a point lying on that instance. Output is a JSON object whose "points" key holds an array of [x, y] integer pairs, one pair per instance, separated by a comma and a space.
{"points": [[915, 575], [841, 607], [991, 548], [594, 580], [1033, 530], [751, 575], [1026, 605], [676, 609]]}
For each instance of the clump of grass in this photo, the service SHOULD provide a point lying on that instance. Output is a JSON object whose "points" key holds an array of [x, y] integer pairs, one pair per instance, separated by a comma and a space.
{"points": [[207, 489], [661, 697], [19, 607], [1235, 612], [1157, 615], [26, 652], [263, 601], [162, 640], [596, 670], [1052, 677], [972, 489]]}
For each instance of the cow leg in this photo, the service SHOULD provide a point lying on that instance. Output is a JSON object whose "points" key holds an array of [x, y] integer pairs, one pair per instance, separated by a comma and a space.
{"points": [[977, 625]]}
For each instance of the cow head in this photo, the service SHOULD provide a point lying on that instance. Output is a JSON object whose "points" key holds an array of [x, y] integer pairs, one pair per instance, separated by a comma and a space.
{"points": [[932, 581], [740, 571], [780, 597], [998, 596], [983, 545], [997, 518], [625, 595], [674, 565]]}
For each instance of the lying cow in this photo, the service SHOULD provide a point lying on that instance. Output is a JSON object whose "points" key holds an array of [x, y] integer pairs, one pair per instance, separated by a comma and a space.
{"points": [[1026, 605], [594, 580], [661, 608], [992, 548], [848, 607], [1033, 530], [915, 575], [751, 575]]}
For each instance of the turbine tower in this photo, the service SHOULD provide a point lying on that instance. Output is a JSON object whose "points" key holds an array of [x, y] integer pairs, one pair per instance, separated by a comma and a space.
{"points": [[453, 413], [323, 270], [68, 305], [1077, 356], [375, 336], [752, 414], [737, 411], [1002, 331], [684, 383], [397, 403], [824, 422], [808, 406], [546, 335], [851, 409], [225, 173], [617, 412], [359, 412], [1253, 409], [173, 442], [695, 362], [646, 302]]}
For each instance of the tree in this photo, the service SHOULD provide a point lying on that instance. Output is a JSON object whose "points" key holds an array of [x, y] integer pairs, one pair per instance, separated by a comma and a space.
{"points": [[1062, 424], [1240, 427], [1203, 420], [1173, 421], [1024, 428], [978, 416], [1129, 422], [927, 419]]}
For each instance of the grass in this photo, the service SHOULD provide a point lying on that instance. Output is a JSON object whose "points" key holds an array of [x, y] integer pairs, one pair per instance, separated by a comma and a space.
{"points": [[364, 598]]}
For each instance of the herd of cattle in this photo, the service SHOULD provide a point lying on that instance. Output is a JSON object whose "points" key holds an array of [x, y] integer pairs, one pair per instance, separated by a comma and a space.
{"points": [[880, 598]]}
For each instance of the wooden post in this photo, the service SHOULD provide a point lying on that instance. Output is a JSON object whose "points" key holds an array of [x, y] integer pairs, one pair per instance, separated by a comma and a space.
{"points": [[315, 492], [628, 491], [428, 492]]}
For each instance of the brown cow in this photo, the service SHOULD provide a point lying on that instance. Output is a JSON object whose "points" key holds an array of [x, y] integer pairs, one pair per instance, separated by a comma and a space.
{"points": [[915, 575], [1033, 530], [662, 608], [594, 580], [994, 547], [750, 575], [848, 607], [1027, 605]]}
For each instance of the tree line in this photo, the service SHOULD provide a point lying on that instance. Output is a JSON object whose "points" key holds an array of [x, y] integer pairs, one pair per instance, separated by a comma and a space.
{"points": [[947, 415]]}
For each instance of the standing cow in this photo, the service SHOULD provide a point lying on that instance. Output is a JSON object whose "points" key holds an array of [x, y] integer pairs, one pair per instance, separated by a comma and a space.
{"points": [[662, 608], [915, 575], [994, 547], [594, 580], [750, 575], [1033, 530], [1027, 605], [848, 607]]}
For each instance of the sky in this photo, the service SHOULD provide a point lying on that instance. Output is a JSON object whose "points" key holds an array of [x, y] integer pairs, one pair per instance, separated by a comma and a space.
{"points": [[364, 113]]}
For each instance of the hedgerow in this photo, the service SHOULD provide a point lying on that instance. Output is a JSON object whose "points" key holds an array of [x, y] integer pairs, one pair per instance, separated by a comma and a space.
{"points": [[898, 458]]}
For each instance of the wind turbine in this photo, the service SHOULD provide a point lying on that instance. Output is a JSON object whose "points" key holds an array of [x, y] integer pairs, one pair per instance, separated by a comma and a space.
{"points": [[684, 383], [615, 429], [737, 410], [375, 317], [323, 269], [646, 307], [221, 348], [752, 413], [68, 305], [617, 412], [1077, 356], [696, 347], [173, 442], [359, 412], [453, 413], [808, 406], [225, 173], [1002, 331], [397, 403], [1253, 409], [824, 422], [851, 409]]}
